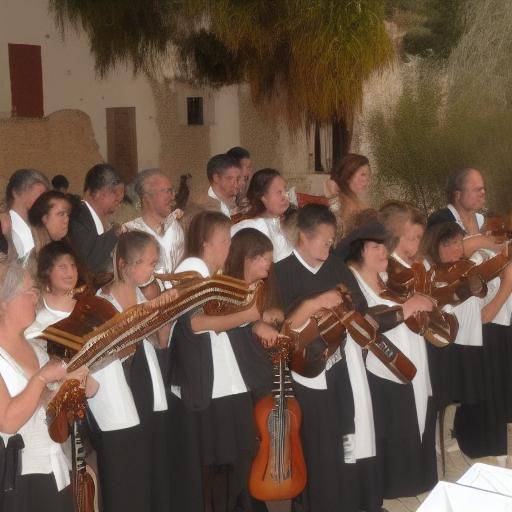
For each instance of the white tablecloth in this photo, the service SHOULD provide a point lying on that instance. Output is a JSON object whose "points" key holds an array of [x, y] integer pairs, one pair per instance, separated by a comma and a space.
{"points": [[482, 488]]}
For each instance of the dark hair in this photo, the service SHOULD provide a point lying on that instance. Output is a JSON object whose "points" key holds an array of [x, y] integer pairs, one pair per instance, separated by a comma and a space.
{"points": [[201, 229], [258, 187], [456, 182], [48, 256], [219, 164], [437, 235], [238, 153], [59, 181], [101, 176], [21, 180], [345, 168], [395, 214], [246, 244], [312, 215], [43, 204], [129, 247]]}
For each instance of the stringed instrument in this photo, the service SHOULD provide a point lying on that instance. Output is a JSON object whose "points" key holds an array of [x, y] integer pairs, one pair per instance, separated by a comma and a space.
{"points": [[330, 326], [436, 326], [123, 331], [278, 472], [84, 481]]}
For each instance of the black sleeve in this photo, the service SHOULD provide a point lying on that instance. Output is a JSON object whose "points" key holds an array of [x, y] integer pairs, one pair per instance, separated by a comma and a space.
{"points": [[93, 250]]}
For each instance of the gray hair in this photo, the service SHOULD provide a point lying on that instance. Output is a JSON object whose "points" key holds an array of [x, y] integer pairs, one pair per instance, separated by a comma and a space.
{"points": [[456, 181], [23, 179], [11, 281], [142, 177]]}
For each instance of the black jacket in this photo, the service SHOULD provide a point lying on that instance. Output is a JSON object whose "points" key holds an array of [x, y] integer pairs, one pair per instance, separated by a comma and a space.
{"points": [[93, 250]]}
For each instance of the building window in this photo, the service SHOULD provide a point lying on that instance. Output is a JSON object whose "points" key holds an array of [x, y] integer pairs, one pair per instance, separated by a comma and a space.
{"points": [[26, 80], [195, 110]]}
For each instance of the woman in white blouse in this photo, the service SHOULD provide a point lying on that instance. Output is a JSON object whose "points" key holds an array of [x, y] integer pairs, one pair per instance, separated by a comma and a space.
{"points": [[25, 373], [57, 275], [268, 201], [404, 414], [130, 406]]}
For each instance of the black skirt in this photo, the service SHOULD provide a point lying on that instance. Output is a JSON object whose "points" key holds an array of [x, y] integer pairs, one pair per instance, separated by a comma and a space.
{"points": [[481, 428], [456, 374], [133, 463], [363, 485], [324, 423], [407, 463], [37, 493], [210, 454]]}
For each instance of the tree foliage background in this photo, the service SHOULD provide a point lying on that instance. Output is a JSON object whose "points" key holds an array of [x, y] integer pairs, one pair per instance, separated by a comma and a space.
{"points": [[455, 106], [309, 57]]}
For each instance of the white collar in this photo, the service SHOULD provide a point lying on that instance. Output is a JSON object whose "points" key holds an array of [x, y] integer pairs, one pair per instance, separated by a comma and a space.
{"points": [[95, 217], [22, 234], [223, 206], [193, 263], [395, 256], [305, 264], [479, 217]]}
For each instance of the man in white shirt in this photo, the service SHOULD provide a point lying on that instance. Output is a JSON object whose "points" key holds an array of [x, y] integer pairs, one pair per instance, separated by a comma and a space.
{"points": [[92, 234], [23, 188], [156, 195]]}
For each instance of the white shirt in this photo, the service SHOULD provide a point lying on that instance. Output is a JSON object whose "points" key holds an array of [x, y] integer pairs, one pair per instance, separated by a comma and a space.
{"points": [[95, 217], [411, 344], [113, 405], [21, 235], [270, 227], [479, 217], [224, 208], [41, 455], [227, 379], [45, 317], [172, 243]]}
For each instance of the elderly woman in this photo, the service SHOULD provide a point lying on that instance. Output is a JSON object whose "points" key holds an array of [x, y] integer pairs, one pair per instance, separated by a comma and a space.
{"points": [[25, 373]]}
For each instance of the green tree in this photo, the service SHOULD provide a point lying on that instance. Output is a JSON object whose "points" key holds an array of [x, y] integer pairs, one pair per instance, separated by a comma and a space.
{"points": [[309, 58]]}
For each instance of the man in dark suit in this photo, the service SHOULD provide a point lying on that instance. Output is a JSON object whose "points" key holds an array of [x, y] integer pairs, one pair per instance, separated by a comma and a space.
{"points": [[92, 233]]}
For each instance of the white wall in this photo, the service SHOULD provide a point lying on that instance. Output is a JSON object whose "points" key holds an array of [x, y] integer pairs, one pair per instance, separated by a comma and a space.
{"points": [[69, 79]]}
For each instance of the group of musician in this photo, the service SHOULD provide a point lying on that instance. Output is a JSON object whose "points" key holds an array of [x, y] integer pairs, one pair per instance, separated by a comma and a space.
{"points": [[171, 426]]}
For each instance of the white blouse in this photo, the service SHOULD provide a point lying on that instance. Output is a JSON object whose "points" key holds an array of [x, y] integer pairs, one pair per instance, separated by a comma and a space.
{"points": [[411, 344], [113, 405], [21, 235], [45, 317], [40, 455], [227, 379], [272, 228], [172, 243]]}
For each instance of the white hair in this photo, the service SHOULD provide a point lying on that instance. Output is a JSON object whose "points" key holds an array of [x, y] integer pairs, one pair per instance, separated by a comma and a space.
{"points": [[11, 281]]}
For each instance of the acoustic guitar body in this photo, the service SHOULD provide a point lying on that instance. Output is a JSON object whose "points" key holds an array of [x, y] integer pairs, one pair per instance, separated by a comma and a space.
{"points": [[278, 471]]}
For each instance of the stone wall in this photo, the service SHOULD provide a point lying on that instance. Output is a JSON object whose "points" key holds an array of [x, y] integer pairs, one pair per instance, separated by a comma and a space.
{"points": [[62, 143]]}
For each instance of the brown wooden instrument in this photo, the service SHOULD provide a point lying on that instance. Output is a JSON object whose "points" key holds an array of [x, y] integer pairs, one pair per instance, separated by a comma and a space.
{"points": [[84, 483], [436, 326], [123, 331], [278, 471], [331, 327]]}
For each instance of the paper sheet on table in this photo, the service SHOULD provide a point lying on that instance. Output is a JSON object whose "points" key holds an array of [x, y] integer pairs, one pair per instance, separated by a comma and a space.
{"points": [[448, 497], [490, 478]]}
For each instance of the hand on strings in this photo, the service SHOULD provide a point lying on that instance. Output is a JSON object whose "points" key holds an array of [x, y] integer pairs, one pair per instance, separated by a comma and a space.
{"points": [[53, 371], [328, 300], [267, 335], [416, 304]]}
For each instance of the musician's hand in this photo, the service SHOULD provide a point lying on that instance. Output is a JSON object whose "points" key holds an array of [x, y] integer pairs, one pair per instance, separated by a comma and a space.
{"points": [[91, 386], [273, 316], [266, 334], [171, 294], [327, 300], [80, 374], [53, 371], [417, 303], [253, 313]]}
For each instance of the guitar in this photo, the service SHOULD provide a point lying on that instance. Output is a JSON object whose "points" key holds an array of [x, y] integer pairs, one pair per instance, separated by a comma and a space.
{"points": [[278, 471]]}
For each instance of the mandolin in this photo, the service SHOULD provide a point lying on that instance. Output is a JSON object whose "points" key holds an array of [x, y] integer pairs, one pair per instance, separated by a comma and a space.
{"points": [[436, 326], [330, 326], [278, 471]]}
